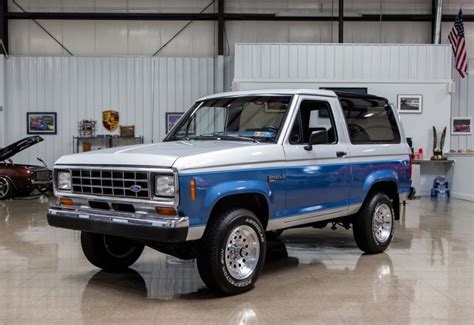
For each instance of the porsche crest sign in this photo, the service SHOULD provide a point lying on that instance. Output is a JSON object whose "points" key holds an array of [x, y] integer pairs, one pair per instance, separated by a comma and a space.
{"points": [[110, 120]]}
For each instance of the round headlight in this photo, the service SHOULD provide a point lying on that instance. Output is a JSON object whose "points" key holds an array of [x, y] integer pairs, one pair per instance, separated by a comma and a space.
{"points": [[164, 185], [64, 180]]}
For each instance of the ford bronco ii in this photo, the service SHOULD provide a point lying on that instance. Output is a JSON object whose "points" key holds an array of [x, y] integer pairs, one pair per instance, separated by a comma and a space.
{"points": [[237, 168]]}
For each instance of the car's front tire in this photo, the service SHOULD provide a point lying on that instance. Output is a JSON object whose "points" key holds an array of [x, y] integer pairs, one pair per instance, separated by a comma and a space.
{"points": [[110, 253], [373, 225], [6, 188], [232, 252]]}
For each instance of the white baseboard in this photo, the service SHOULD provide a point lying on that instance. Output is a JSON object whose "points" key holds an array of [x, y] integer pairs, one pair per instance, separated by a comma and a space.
{"points": [[462, 196]]}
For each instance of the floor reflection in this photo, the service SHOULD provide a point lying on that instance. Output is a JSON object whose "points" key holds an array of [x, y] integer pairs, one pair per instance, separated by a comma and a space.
{"points": [[4, 213], [179, 281], [173, 277], [309, 275]]}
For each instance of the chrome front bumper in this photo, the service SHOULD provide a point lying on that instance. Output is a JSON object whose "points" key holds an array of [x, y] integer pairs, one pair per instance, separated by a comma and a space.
{"points": [[34, 182], [138, 226]]}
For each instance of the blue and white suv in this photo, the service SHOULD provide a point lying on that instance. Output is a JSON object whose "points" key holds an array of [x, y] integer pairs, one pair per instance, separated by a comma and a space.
{"points": [[237, 168]]}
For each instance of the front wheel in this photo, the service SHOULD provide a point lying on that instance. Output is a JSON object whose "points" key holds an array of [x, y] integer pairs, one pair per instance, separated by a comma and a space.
{"points": [[110, 253], [232, 252], [6, 189], [373, 225]]}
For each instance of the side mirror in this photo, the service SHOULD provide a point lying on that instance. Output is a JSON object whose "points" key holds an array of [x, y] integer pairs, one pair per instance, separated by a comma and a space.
{"points": [[317, 137]]}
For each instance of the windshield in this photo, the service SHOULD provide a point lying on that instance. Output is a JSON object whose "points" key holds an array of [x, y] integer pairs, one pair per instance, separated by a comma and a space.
{"points": [[249, 118]]}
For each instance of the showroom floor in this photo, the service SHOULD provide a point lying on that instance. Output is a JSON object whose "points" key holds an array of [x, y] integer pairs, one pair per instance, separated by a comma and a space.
{"points": [[310, 276]]}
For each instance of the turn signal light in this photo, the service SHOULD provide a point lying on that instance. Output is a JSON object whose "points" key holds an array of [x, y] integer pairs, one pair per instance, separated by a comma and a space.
{"points": [[65, 201], [171, 212], [192, 186]]}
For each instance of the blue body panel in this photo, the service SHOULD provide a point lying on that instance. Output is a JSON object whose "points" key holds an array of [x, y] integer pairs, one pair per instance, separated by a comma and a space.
{"points": [[317, 187], [212, 186], [364, 175], [298, 190]]}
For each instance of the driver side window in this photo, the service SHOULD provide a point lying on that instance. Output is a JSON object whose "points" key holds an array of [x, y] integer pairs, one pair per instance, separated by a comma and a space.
{"points": [[313, 116]]}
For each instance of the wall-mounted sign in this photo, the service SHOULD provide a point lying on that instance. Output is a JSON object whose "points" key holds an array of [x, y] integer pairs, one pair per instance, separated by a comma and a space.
{"points": [[410, 103], [110, 120], [461, 125], [172, 119], [41, 123]]}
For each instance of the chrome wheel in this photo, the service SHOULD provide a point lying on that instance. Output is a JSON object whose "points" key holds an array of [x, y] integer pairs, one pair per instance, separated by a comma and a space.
{"points": [[4, 187], [382, 222], [242, 252]]}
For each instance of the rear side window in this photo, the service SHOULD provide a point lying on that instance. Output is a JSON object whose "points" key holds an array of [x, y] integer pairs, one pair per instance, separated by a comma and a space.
{"points": [[370, 120]]}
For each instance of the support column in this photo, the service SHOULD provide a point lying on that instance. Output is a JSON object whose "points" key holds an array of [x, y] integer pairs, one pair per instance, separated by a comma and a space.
{"points": [[341, 21], [3, 133], [438, 14], [220, 27], [3, 26]]}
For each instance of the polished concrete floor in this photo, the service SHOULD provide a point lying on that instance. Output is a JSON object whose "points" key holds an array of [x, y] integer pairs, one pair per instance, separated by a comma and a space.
{"points": [[311, 276]]}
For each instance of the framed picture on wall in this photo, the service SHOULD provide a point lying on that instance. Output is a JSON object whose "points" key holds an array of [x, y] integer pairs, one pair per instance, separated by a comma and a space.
{"points": [[410, 104], [172, 119], [41, 123], [461, 125]]}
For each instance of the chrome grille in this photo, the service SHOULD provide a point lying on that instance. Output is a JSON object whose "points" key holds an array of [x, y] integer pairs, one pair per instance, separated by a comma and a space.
{"points": [[44, 175], [114, 183]]}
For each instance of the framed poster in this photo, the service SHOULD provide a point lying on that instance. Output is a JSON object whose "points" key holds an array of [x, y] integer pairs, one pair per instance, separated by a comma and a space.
{"points": [[41, 123], [461, 125], [172, 119], [410, 104]]}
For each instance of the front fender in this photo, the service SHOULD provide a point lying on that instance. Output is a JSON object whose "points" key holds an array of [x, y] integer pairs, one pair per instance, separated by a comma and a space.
{"points": [[384, 175], [221, 190]]}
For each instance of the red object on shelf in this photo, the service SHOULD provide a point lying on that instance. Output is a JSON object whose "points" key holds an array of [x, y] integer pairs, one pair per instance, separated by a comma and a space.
{"points": [[420, 154]]}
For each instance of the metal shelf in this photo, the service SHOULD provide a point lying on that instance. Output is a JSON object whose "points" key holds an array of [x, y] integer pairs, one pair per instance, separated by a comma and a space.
{"points": [[104, 141]]}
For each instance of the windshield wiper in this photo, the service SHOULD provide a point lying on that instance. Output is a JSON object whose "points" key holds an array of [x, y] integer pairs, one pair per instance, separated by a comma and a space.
{"points": [[220, 136]]}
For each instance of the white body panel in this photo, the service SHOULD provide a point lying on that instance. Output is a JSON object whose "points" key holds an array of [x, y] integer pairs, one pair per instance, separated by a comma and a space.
{"points": [[187, 156], [162, 154]]}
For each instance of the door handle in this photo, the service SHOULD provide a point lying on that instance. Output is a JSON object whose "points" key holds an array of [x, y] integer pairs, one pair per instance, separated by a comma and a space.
{"points": [[341, 154]]}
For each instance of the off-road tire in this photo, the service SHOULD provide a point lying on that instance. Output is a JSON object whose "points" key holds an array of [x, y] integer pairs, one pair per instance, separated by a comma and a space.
{"points": [[363, 224], [213, 251], [110, 253]]}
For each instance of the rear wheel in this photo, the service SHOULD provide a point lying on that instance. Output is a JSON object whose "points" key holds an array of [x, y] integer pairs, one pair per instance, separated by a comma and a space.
{"points": [[110, 253], [232, 252], [6, 188], [373, 225]]}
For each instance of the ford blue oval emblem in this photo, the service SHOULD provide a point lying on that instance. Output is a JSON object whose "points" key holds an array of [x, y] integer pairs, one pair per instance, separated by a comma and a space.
{"points": [[135, 188]]}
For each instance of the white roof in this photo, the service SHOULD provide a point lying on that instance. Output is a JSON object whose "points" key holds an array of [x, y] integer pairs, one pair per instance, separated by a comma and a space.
{"points": [[316, 92]]}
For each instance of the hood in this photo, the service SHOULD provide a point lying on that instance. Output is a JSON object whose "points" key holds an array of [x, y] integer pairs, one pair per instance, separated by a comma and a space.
{"points": [[163, 154], [11, 150]]}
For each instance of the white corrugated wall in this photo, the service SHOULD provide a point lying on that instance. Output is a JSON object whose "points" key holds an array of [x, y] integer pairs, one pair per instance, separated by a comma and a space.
{"points": [[463, 106], [141, 89], [341, 62], [386, 70]]}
